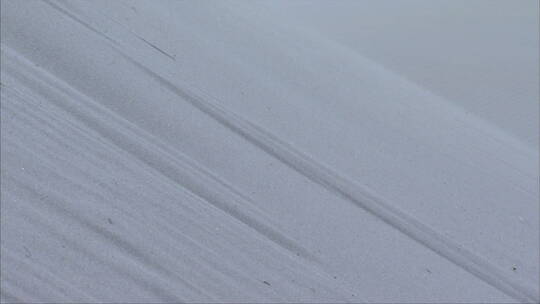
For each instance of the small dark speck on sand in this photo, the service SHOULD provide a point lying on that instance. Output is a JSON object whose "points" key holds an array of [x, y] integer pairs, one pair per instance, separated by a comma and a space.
{"points": [[265, 282], [27, 252], [109, 220], [514, 268]]}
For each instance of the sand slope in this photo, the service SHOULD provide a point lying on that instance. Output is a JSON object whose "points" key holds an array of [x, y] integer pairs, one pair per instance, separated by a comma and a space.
{"points": [[168, 151]]}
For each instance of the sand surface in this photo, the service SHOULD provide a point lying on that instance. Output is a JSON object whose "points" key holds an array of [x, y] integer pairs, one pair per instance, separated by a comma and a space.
{"points": [[261, 151]]}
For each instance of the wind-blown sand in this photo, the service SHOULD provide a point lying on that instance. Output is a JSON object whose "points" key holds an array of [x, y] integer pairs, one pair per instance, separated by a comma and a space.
{"points": [[290, 151]]}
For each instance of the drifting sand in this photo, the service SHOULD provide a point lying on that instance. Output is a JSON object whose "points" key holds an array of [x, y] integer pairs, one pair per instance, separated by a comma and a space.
{"points": [[302, 151]]}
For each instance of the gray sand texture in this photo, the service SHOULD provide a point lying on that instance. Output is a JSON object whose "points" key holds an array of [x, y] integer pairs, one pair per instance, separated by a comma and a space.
{"points": [[269, 151]]}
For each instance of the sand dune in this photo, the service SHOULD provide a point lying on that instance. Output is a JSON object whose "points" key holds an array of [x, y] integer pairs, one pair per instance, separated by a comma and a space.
{"points": [[238, 151]]}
